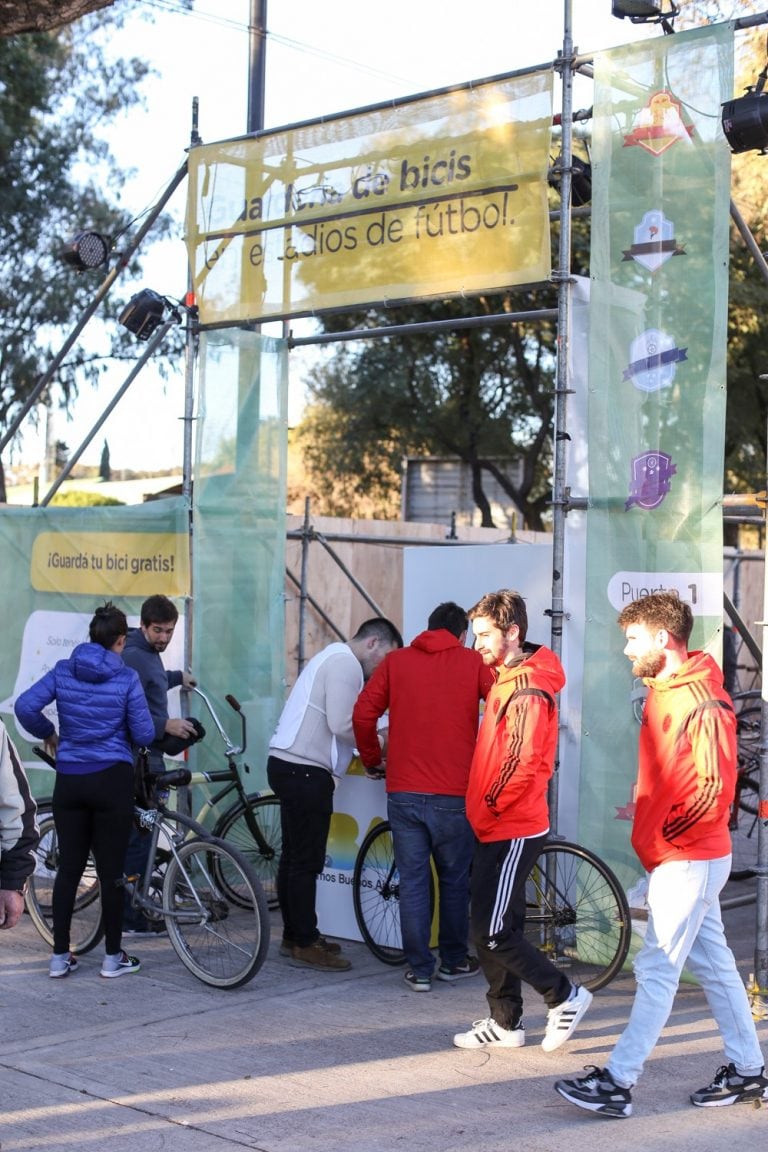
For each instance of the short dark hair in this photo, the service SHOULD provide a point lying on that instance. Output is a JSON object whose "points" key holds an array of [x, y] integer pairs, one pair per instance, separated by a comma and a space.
{"points": [[660, 610], [108, 625], [504, 608], [382, 629], [158, 610], [449, 616]]}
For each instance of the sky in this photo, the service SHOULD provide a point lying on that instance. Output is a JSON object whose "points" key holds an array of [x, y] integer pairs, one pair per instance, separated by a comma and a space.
{"points": [[320, 59]]}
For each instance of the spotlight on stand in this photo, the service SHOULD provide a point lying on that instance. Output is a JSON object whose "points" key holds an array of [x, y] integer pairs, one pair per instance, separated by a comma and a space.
{"points": [[581, 179], [645, 11], [145, 312], [85, 250], [745, 119]]}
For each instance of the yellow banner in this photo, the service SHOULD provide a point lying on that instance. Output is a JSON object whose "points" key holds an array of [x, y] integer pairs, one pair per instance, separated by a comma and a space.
{"points": [[438, 196], [111, 564]]}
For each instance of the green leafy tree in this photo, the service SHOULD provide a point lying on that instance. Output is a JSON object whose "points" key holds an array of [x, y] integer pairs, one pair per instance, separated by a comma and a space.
{"points": [[481, 394], [58, 91], [105, 470]]}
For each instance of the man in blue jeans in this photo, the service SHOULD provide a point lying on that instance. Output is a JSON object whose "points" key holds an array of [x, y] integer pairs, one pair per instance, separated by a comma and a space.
{"points": [[432, 690]]}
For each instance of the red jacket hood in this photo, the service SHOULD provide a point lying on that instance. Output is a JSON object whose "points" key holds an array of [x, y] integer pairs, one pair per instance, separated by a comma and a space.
{"points": [[435, 640], [700, 667], [542, 662]]}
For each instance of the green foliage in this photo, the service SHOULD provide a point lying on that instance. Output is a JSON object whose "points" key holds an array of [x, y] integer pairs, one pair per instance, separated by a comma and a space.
{"points": [[75, 499], [58, 91]]}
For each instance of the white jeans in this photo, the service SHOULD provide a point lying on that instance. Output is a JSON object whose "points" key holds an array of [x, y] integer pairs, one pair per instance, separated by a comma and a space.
{"points": [[685, 928]]}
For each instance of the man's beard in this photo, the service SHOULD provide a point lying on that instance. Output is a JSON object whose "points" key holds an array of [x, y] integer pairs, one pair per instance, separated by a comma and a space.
{"points": [[650, 665]]}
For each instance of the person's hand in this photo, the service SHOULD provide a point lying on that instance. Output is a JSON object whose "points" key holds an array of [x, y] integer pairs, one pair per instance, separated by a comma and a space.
{"points": [[377, 773], [188, 680], [11, 907], [178, 726], [51, 744]]}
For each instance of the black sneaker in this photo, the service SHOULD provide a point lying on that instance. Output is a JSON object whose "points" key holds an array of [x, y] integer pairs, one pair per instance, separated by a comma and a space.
{"points": [[468, 967], [597, 1092], [729, 1087]]}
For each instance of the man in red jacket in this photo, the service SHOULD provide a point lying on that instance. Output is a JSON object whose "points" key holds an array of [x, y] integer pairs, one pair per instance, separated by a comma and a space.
{"points": [[432, 690], [685, 787], [507, 808]]}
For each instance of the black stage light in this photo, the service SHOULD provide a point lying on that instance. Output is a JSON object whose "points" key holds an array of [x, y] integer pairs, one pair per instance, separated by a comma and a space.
{"points": [[581, 180], [644, 11], [86, 250], [143, 313], [745, 119]]}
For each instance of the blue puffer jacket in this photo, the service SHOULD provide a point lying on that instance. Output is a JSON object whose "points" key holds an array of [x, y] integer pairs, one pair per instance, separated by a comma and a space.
{"points": [[101, 708]]}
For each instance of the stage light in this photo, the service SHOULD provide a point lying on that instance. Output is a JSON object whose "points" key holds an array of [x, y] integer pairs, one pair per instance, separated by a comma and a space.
{"points": [[745, 119], [581, 180], [144, 312], [85, 250], [645, 11]]}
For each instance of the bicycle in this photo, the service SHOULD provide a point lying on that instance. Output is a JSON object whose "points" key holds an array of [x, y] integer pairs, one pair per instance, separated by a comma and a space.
{"points": [[204, 890], [744, 812], [576, 910], [251, 823]]}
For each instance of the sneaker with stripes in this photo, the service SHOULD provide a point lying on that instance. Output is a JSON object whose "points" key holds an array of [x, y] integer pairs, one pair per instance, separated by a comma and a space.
{"points": [[562, 1020], [488, 1034]]}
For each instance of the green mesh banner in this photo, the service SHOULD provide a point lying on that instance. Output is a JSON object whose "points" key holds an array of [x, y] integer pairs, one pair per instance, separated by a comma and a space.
{"points": [[657, 373], [238, 543], [59, 564]]}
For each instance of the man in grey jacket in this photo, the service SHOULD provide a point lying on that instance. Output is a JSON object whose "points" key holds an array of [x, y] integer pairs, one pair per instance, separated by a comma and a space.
{"points": [[18, 832]]}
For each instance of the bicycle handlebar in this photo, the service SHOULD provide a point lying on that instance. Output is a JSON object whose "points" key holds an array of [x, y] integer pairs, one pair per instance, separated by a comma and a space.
{"points": [[231, 749]]}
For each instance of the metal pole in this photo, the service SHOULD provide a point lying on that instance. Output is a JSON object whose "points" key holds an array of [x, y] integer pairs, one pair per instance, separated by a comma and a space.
{"points": [[257, 43], [560, 499], [305, 538], [760, 997]]}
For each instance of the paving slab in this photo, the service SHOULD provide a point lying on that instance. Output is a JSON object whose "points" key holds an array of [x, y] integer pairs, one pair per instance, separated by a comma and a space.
{"points": [[333, 1062]]}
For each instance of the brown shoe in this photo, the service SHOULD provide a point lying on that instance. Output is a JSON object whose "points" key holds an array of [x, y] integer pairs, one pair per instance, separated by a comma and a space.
{"points": [[315, 956], [330, 946]]}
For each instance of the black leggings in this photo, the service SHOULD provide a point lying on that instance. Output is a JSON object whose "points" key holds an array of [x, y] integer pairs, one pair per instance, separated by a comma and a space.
{"points": [[92, 813]]}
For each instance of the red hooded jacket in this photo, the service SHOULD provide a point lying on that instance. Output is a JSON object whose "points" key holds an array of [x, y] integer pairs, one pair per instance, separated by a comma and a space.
{"points": [[687, 767], [432, 690], [515, 753]]}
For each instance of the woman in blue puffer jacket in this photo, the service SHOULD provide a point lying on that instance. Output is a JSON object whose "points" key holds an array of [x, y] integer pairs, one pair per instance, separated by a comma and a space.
{"points": [[102, 712]]}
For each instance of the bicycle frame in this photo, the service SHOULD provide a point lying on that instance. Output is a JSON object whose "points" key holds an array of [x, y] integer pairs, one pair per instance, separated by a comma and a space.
{"points": [[160, 823]]}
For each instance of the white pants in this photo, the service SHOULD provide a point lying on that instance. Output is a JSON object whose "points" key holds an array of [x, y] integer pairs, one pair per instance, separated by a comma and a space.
{"points": [[685, 928]]}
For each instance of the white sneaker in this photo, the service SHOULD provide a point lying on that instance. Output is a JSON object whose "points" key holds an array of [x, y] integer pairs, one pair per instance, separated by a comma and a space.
{"points": [[562, 1020], [120, 965], [62, 965], [488, 1034]]}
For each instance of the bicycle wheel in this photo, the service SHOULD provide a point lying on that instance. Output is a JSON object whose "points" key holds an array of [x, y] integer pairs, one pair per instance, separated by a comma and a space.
{"points": [[220, 940], [234, 827], [577, 914], [748, 730], [376, 895], [87, 928]]}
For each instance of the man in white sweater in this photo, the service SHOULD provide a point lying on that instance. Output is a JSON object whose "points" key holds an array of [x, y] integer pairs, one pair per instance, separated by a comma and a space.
{"points": [[310, 750]]}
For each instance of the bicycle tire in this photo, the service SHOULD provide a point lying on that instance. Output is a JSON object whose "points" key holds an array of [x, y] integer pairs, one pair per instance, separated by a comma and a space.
{"points": [[87, 928], [376, 895], [233, 827], [748, 731], [221, 941], [577, 913]]}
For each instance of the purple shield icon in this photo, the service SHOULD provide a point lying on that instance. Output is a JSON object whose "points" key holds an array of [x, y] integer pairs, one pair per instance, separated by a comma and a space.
{"points": [[651, 476]]}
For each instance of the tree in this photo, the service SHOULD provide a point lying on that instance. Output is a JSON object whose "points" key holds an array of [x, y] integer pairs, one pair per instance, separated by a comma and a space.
{"points": [[105, 471], [44, 15], [58, 92], [481, 394]]}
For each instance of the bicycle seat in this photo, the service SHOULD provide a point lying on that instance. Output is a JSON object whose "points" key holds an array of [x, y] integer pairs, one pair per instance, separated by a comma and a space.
{"points": [[176, 778]]}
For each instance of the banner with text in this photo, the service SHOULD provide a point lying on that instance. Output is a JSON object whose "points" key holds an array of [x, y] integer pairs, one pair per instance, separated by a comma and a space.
{"points": [[440, 195], [657, 381]]}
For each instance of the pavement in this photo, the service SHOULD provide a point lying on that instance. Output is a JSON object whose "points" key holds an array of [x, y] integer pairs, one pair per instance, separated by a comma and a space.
{"points": [[332, 1062]]}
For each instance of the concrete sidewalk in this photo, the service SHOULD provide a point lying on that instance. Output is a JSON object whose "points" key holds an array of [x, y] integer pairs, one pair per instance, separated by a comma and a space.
{"points": [[338, 1062]]}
